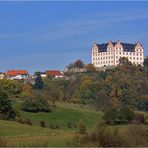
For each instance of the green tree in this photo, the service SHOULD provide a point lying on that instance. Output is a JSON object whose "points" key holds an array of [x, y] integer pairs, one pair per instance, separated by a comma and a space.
{"points": [[145, 62], [38, 81], [118, 115], [6, 110]]}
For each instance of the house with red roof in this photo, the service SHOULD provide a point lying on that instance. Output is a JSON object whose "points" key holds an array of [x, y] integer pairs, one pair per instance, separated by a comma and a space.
{"points": [[17, 74], [54, 73]]}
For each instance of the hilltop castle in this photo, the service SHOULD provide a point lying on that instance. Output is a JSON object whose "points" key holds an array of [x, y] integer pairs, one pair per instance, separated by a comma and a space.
{"points": [[108, 54]]}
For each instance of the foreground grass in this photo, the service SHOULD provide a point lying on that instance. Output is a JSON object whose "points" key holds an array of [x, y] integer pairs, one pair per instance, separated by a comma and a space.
{"points": [[16, 134]]}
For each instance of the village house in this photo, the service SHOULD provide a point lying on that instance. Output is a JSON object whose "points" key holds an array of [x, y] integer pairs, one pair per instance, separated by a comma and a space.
{"points": [[54, 73], [17, 74]]}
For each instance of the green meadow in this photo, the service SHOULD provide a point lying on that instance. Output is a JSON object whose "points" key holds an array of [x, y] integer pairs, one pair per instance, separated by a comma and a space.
{"points": [[17, 134]]}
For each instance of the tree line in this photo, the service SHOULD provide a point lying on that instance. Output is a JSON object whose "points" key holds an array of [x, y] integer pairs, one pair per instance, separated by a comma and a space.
{"points": [[124, 85]]}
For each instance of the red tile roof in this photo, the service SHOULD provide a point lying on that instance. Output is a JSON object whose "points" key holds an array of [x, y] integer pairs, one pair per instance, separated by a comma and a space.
{"points": [[16, 72], [54, 73]]}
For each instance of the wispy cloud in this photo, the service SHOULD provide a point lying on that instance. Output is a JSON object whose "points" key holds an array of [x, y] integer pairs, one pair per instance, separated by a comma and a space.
{"points": [[77, 27]]}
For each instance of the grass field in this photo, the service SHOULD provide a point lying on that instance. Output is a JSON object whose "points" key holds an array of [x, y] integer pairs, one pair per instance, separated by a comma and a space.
{"points": [[16, 134]]}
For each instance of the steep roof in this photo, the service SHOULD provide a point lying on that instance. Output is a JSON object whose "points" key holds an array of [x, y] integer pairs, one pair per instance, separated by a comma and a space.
{"points": [[16, 72], [128, 47], [102, 47], [54, 73]]}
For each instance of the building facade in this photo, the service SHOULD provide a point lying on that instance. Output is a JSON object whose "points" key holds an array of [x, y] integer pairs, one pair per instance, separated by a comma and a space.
{"points": [[108, 54]]}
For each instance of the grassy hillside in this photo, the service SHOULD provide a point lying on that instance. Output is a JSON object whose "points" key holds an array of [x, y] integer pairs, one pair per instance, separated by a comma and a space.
{"points": [[64, 114], [16, 134]]}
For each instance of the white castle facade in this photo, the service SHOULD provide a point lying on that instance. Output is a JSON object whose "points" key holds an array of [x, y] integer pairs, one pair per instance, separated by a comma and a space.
{"points": [[108, 54]]}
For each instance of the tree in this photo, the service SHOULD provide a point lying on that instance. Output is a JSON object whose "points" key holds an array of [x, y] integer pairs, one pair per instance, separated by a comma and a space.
{"points": [[90, 68], [119, 115], [79, 63], [36, 104], [145, 62], [12, 88], [124, 61], [38, 81], [6, 110]]}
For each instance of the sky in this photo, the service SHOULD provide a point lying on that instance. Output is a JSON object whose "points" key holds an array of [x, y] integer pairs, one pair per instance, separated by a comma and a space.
{"points": [[37, 36]]}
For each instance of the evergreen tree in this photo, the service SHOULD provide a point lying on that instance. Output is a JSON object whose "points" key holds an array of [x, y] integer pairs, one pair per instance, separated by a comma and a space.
{"points": [[38, 81], [6, 110]]}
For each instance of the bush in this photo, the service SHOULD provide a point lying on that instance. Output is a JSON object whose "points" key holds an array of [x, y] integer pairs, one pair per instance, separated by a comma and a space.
{"points": [[36, 105], [6, 110], [82, 128], [20, 120], [139, 118], [24, 120], [54, 126], [143, 105], [102, 136], [119, 115], [42, 124], [28, 121], [71, 125], [146, 122]]}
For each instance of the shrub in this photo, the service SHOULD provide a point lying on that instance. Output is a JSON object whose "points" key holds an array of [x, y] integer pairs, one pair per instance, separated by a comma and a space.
{"points": [[6, 110], [20, 120], [24, 120], [42, 124], [102, 136], [139, 118], [71, 125], [118, 115], [143, 105], [36, 105], [82, 128], [28, 121], [146, 122], [54, 126]]}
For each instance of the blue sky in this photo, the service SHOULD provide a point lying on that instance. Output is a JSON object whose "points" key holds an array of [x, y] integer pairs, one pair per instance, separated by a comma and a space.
{"points": [[50, 35]]}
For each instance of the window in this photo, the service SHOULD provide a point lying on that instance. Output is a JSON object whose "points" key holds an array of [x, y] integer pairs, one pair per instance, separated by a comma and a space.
{"points": [[137, 54], [127, 53]]}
